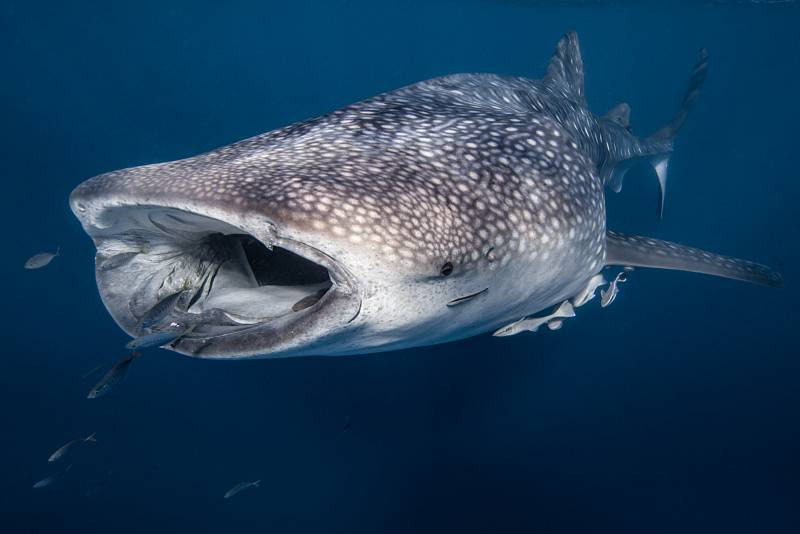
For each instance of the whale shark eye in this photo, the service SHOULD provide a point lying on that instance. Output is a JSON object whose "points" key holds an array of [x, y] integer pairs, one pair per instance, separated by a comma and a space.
{"points": [[447, 269]]}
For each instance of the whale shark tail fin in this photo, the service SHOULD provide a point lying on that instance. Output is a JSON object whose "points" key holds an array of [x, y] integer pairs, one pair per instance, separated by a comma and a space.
{"points": [[565, 70], [659, 145], [668, 132], [637, 251], [657, 148]]}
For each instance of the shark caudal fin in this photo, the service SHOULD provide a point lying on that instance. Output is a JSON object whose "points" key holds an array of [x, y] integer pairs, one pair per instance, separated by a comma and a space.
{"points": [[670, 130], [637, 251], [565, 71], [664, 137], [656, 148]]}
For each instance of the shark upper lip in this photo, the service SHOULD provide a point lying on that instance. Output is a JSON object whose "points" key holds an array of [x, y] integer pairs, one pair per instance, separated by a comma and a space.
{"points": [[252, 291]]}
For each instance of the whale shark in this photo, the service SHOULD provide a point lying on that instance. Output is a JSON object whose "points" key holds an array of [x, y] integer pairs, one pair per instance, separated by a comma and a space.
{"points": [[445, 209]]}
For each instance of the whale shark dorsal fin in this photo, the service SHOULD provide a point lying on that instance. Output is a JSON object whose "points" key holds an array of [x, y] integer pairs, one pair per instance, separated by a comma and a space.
{"points": [[638, 251], [621, 114], [566, 68]]}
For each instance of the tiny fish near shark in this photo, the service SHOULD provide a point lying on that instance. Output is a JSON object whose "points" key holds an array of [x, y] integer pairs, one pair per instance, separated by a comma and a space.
{"points": [[64, 449], [42, 259], [113, 377], [435, 212], [241, 486], [156, 339], [47, 481]]}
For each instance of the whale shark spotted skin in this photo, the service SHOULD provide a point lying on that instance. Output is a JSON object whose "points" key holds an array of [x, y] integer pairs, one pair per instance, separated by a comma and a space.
{"points": [[350, 233]]}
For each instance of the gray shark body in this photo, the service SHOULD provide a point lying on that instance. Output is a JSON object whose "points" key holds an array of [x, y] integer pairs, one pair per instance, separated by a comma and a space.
{"points": [[435, 212]]}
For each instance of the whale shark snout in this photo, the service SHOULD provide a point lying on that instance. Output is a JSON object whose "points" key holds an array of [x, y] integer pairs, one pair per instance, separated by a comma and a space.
{"points": [[252, 288]]}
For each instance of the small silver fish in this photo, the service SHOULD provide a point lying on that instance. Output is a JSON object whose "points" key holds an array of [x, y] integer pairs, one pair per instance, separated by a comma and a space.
{"points": [[607, 296], [69, 445], [159, 311], [37, 261], [555, 324], [532, 324], [240, 487], [52, 478], [156, 339], [588, 292], [93, 370], [112, 377]]}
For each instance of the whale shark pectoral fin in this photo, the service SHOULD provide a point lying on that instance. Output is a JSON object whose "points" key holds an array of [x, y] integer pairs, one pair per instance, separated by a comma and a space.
{"points": [[638, 251], [566, 68]]}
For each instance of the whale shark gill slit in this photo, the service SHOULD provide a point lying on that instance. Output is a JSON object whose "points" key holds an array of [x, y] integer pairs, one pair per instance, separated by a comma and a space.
{"points": [[466, 298]]}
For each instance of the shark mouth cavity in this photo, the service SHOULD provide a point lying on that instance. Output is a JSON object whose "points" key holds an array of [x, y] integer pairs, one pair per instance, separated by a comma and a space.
{"points": [[228, 292]]}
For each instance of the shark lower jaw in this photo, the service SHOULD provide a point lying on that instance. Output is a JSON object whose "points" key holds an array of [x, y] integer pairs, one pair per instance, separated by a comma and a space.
{"points": [[246, 290]]}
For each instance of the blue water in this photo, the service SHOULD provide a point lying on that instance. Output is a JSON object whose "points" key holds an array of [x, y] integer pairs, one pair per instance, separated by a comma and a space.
{"points": [[674, 410]]}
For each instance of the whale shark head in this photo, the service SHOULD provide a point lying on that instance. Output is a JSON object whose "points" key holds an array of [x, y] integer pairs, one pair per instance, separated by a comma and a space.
{"points": [[309, 241], [259, 284]]}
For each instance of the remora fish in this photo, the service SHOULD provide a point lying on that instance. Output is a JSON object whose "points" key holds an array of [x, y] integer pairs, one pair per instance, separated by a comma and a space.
{"points": [[397, 205], [240, 487], [37, 261], [112, 377], [64, 449], [588, 292], [607, 296], [52, 478], [532, 324]]}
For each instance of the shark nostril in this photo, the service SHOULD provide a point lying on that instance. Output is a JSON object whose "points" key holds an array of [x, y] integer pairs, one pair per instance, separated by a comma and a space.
{"points": [[447, 269]]}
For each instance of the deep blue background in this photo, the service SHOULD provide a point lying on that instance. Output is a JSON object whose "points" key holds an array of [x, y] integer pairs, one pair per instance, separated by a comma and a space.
{"points": [[674, 410]]}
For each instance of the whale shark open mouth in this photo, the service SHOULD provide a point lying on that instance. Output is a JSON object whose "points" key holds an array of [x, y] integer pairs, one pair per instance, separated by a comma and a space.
{"points": [[238, 295]]}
